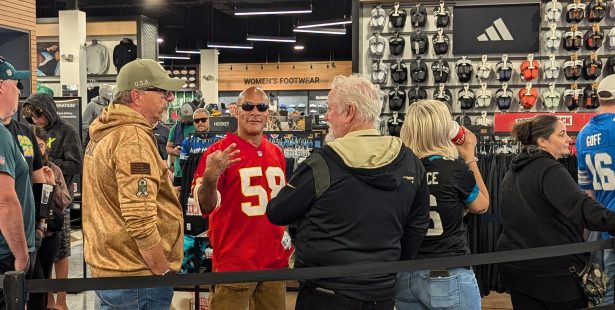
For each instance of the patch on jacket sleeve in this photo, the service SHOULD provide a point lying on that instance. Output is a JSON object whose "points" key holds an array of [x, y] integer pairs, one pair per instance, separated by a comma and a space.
{"points": [[142, 188], [140, 168]]}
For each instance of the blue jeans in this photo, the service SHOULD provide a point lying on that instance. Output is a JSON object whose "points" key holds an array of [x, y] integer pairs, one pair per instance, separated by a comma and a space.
{"points": [[155, 298], [416, 290], [608, 257]]}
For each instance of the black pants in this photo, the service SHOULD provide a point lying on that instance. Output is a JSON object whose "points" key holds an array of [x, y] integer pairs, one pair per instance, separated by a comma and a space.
{"points": [[313, 299], [522, 301], [8, 264]]}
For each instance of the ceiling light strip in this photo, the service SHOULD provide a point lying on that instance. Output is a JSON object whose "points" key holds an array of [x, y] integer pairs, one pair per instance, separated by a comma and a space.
{"points": [[187, 51], [324, 23], [247, 12], [271, 39], [322, 30], [173, 57], [229, 45]]}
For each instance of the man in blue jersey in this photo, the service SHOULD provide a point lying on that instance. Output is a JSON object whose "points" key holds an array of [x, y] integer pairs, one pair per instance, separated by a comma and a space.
{"points": [[198, 141], [596, 152]]}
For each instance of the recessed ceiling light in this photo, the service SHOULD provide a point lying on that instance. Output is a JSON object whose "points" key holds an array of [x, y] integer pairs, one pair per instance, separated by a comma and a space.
{"points": [[160, 40], [299, 47]]}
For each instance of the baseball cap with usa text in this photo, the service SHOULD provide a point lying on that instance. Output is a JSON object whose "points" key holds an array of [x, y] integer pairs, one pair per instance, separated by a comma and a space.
{"points": [[8, 72], [144, 73]]}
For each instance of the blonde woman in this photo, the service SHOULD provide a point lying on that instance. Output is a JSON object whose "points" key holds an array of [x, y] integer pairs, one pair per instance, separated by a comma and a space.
{"points": [[455, 187]]}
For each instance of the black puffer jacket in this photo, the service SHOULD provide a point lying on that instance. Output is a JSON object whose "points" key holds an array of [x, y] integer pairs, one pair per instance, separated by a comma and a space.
{"points": [[64, 146], [555, 212]]}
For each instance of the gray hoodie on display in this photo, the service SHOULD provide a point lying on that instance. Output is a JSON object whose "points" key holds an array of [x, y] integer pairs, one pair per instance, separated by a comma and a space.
{"points": [[93, 109]]}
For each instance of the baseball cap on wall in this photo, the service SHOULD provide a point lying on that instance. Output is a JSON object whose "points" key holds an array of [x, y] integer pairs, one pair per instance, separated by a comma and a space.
{"points": [[606, 88], [144, 73], [8, 72]]}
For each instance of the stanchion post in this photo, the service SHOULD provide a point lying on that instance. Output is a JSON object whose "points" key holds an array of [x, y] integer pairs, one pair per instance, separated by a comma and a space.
{"points": [[15, 290]]}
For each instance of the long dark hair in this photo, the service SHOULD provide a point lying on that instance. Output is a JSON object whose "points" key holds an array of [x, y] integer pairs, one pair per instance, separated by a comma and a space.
{"points": [[540, 126], [42, 134]]}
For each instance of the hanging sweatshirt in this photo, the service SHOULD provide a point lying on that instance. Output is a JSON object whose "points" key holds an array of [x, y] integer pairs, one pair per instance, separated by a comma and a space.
{"points": [[97, 59], [124, 53]]}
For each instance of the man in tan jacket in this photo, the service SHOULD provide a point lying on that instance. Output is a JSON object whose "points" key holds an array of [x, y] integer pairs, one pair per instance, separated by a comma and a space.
{"points": [[132, 219]]}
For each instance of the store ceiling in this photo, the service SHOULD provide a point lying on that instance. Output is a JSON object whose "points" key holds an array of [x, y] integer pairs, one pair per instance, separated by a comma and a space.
{"points": [[190, 24]]}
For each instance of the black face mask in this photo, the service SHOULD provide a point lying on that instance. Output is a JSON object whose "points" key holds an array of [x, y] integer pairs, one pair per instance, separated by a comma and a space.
{"points": [[419, 43], [592, 40], [395, 127], [418, 16], [464, 72], [399, 73], [440, 46], [440, 71], [574, 16], [590, 96], [418, 72], [443, 17], [416, 94], [397, 45], [398, 21], [592, 69], [397, 99], [445, 96], [596, 11]]}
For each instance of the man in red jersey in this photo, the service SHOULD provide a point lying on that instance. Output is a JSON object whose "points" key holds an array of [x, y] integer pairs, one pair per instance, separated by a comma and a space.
{"points": [[235, 179]]}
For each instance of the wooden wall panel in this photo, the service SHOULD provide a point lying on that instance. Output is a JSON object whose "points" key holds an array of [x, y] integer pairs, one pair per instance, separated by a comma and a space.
{"points": [[21, 15], [111, 28], [283, 76]]}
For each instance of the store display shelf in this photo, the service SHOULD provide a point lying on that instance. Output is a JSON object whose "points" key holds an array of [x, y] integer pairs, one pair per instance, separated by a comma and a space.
{"points": [[493, 59], [474, 86]]}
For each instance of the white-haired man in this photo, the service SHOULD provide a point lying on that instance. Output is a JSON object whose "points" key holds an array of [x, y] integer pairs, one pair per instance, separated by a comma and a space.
{"points": [[362, 198]]}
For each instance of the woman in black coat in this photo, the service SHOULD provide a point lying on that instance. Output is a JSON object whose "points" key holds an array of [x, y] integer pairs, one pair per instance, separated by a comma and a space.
{"points": [[542, 206]]}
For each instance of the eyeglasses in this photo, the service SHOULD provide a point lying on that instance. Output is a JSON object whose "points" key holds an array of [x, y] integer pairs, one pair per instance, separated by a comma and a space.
{"points": [[606, 94], [29, 111], [249, 106], [200, 120], [164, 94]]}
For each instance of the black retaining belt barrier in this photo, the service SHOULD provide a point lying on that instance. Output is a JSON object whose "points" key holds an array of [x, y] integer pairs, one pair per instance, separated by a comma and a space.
{"points": [[79, 285]]}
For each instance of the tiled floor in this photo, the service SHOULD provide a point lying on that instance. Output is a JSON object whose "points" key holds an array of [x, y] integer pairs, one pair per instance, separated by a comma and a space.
{"points": [[181, 300]]}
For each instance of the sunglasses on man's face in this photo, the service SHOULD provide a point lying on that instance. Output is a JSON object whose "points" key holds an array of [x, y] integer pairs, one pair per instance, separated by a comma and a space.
{"points": [[606, 94], [164, 94], [249, 106], [200, 120]]}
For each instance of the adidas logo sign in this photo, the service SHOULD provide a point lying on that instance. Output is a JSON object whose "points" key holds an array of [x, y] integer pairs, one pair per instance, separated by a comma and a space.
{"points": [[497, 32]]}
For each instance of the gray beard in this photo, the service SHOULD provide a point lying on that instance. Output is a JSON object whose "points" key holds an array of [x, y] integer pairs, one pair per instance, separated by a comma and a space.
{"points": [[330, 137]]}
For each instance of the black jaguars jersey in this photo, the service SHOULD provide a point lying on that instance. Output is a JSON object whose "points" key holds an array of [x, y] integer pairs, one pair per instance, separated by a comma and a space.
{"points": [[451, 187]]}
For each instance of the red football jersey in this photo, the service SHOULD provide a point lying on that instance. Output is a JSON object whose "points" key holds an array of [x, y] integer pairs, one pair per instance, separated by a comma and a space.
{"points": [[240, 233]]}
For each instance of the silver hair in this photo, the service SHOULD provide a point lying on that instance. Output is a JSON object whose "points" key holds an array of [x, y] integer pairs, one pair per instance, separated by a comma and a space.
{"points": [[355, 90], [200, 110], [123, 97]]}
